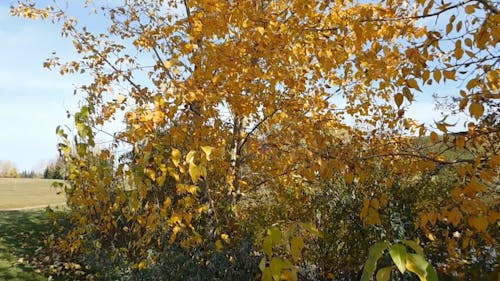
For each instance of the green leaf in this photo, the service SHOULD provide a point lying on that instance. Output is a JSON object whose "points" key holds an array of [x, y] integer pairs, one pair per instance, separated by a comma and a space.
{"points": [[374, 254], [415, 246], [312, 229], [275, 234], [276, 265], [384, 274], [296, 246], [267, 245], [398, 255], [418, 265], [262, 264], [431, 273], [266, 275]]}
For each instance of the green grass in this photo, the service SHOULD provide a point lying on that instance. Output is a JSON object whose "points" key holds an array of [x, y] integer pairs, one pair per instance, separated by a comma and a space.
{"points": [[25, 193], [21, 233]]}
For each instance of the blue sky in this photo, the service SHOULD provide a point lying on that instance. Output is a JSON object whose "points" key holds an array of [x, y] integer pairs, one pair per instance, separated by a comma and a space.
{"points": [[34, 100]]}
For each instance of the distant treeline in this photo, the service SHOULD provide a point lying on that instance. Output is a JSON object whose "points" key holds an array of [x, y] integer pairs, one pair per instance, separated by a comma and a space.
{"points": [[54, 170]]}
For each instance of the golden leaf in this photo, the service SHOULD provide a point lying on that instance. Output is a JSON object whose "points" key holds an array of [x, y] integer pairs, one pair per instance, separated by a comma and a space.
{"points": [[412, 83], [449, 74], [479, 223], [195, 172], [398, 98], [207, 150], [168, 64], [349, 178], [261, 30], [476, 110], [434, 137], [176, 156], [470, 9]]}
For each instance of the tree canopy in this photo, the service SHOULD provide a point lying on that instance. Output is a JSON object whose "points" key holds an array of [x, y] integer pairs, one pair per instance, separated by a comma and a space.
{"points": [[246, 116]]}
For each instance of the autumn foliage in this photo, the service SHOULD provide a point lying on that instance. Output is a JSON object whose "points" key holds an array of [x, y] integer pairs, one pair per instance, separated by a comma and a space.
{"points": [[283, 123]]}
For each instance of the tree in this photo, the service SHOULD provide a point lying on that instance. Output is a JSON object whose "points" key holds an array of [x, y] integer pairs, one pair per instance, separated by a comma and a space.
{"points": [[229, 101], [56, 170], [8, 169]]}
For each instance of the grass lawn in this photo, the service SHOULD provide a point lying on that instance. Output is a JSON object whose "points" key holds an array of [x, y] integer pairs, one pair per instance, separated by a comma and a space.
{"points": [[21, 233], [25, 193]]}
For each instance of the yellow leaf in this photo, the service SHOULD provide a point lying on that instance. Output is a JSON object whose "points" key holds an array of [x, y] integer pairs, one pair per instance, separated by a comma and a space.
{"points": [[470, 9], [495, 161], [120, 98], [449, 74], [195, 172], [479, 223], [431, 236], [225, 237], [168, 64], [288, 275], [434, 137], [460, 142], [349, 178], [384, 200], [476, 110], [398, 98], [167, 202], [190, 156], [186, 188], [151, 174], [218, 245], [375, 203], [468, 42], [442, 127], [261, 30], [459, 52], [176, 156], [207, 150], [141, 265], [158, 117], [412, 83]]}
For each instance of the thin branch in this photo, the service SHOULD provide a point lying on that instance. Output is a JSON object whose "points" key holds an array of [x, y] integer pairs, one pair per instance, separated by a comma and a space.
{"points": [[188, 13], [240, 147], [162, 64]]}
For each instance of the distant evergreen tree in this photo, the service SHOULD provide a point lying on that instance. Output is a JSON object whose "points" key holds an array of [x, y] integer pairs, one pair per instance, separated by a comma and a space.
{"points": [[27, 174], [56, 170]]}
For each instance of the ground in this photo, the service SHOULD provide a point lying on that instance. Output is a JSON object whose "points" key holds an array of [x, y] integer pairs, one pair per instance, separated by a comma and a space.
{"points": [[28, 193], [23, 223]]}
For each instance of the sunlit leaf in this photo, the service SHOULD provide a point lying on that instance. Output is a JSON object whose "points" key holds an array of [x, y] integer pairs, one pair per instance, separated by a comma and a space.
{"points": [[384, 274], [398, 255]]}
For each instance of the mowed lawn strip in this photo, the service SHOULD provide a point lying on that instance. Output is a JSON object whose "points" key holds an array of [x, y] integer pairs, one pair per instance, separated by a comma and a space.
{"points": [[28, 193]]}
